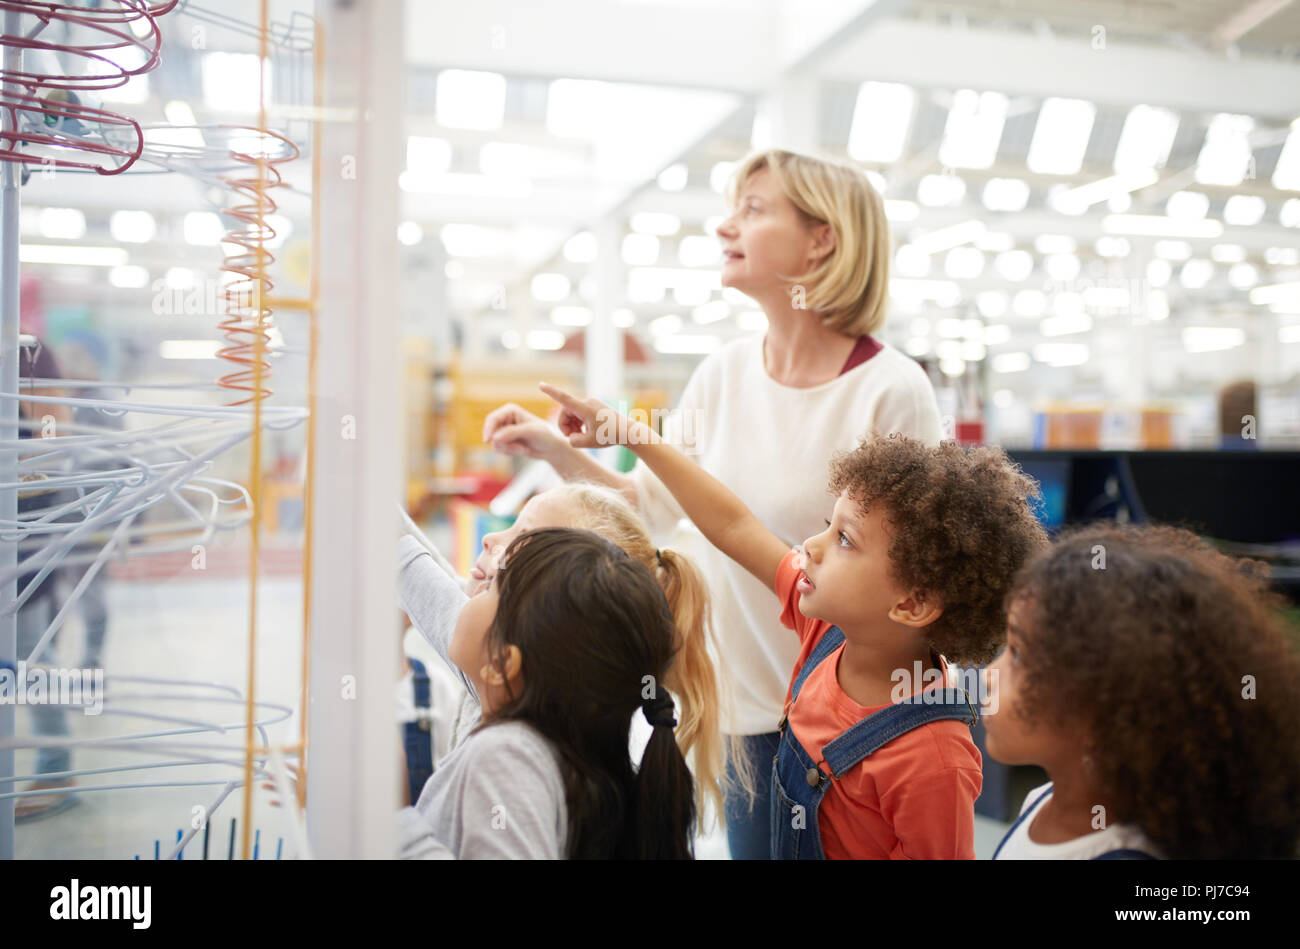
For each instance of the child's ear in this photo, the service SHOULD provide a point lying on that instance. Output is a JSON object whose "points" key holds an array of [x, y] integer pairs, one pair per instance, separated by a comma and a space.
{"points": [[916, 610], [507, 667]]}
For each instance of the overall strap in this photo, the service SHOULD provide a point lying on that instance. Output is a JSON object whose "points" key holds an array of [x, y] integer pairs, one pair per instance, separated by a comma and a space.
{"points": [[1124, 854], [880, 728], [1028, 811], [831, 640]]}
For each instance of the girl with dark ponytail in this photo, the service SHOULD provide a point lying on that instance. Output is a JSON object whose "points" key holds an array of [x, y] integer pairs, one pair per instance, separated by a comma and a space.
{"points": [[570, 639]]}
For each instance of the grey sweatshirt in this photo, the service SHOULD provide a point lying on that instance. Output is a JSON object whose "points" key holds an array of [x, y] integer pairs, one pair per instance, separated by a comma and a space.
{"points": [[498, 793]]}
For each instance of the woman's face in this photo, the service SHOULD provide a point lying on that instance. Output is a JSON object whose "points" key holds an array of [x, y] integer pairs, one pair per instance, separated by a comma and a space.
{"points": [[544, 510], [766, 236]]}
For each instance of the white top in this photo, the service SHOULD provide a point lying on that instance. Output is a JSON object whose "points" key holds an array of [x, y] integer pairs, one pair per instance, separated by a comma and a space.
{"points": [[771, 444], [1016, 845]]}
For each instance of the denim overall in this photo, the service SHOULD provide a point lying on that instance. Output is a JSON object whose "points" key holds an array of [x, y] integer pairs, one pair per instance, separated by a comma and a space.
{"points": [[1121, 854], [799, 783]]}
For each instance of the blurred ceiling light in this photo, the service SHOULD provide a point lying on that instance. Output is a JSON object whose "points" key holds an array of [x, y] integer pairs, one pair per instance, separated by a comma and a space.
{"points": [[570, 315], [510, 339], [473, 240], [1010, 362], [427, 155], [950, 328], [581, 248], [944, 293], [1055, 244], [673, 178], [1227, 253], [1196, 273], [881, 119], [1154, 225], [203, 229], [917, 346], [1289, 215], [1209, 339], [1006, 194], [657, 223], [1225, 156], [991, 304], [1014, 265], [1145, 140], [948, 237], [940, 191], [720, 175], [1283, 294], [1113, 247], [544, 339], [698, 251], [1061, 136], [1062, 267], [550, 287], [469, 99], [1105, 189], [624, 318], [1289, 334], [911, 261], [1286, 173], [232, 81], [410, 233], [179, 278], [1119, 203], [185, 135], [897, 210], [62, 223], [1244, 210], [666, 325], [691, 295], [751, 321], [514, 160], [133, 92], [640, 250], [1282, 256], [1187, 205], [963, 263], [1029, 303], [974, 129], [1243, 276], [878, 181], [1158, 305]]}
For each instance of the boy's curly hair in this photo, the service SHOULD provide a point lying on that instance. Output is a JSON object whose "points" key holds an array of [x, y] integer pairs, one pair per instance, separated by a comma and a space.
{"points": [[961, 526], [1150, 654]]}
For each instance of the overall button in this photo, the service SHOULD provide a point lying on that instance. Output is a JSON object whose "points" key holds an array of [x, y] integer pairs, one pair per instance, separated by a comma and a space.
{"points": [[814, 777]]}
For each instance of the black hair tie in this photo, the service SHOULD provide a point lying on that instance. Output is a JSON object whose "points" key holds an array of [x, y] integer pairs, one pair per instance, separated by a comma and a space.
{"points": [[658, 711], [659, 557]]}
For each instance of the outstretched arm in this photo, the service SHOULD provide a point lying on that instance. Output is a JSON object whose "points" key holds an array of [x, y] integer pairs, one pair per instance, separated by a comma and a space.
{"points": [[721, 516]]}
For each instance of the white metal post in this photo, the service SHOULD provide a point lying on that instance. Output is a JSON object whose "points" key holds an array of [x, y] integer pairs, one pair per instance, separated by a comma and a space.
{"points": [[352, 761]]}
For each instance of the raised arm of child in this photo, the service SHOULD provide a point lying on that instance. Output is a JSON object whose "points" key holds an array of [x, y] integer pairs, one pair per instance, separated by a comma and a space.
{"points": [[721, 516]]}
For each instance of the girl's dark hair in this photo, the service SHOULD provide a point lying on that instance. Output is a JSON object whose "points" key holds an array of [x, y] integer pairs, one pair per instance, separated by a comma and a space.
{"points": [[1174, 659], [597, 637]]}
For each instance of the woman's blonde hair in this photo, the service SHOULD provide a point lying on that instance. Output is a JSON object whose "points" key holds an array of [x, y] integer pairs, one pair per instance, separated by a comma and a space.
{"points": [[692, 676], [850, 288]]}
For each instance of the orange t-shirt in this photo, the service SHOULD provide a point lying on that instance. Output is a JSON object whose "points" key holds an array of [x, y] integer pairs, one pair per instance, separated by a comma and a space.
{"points": [[914, 798]]}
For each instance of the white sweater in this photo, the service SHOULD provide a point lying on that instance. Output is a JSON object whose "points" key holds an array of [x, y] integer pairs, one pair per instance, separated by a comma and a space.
{"points": [[771, 444]]}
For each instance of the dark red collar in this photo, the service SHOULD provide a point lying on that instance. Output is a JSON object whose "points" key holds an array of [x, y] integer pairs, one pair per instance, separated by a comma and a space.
{"points": [[864, 349]]}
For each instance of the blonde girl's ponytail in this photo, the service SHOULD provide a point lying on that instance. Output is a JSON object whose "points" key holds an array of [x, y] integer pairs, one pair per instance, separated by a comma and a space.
{"points": [[692, 677]]}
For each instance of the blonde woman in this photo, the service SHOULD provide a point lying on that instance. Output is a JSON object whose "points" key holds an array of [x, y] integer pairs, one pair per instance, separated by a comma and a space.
{"points": [[807, 239]]}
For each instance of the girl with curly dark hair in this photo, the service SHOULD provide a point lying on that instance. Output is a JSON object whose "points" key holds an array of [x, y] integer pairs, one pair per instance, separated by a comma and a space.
{"points": [[1151, 676]]}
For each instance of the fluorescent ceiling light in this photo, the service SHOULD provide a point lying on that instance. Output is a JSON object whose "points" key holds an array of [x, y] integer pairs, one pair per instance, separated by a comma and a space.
{"points": [[472, 240], [901, 210], [1106, 189], [1011, 362], [571, 315], [410, 233], [71, 254], [948, 237], [973, 129], [697, 250], [911, 261], [232, 81], [1061, 136], [720, 175], [62, 223], [1145, 140], [1014, 265], [881, 119], [469, 99], [1196, 273], [129, 276], [1286, 173], [1225, 156], [694, 344], [132, 227], [1289, 215], [1244, 210], [513, 160], [1006, 194], [427, 155], [711, 312], [640, 249], [673, 178], [1227, 253], [1172, 250], [1243, 276], [581, 248], [992, 304], [1061, 354], [1187, 205], [550, 287], [1152, 225], [657, 223], [939, 191], [963, 263], [544, 339], [1029, 303], [1285, 294], [463, 185], [203, 229], [1055, 244]]}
